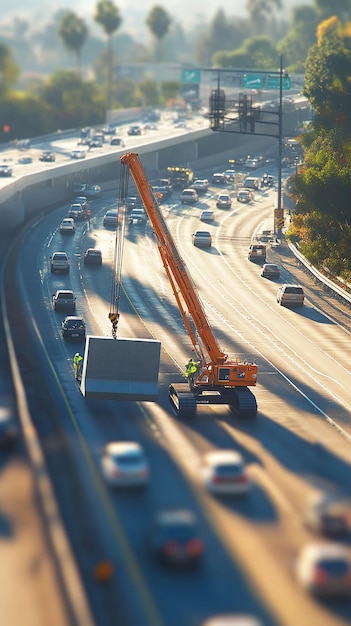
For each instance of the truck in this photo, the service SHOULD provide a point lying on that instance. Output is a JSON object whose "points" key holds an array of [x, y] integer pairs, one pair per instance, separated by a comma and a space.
{"points": [[218, 379], [180, 177], [257, 253]]}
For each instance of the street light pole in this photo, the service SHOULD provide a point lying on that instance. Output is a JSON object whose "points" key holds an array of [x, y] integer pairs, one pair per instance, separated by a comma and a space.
{"points": [[280, 152]]}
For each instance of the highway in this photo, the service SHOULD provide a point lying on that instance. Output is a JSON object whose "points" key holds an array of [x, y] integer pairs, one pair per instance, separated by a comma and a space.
{"points": [[299, 442]]}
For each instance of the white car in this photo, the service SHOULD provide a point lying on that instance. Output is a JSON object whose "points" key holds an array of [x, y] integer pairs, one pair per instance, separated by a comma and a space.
{"points": [[207, 215], [224, 472], [223, 201], [124, 464], [324, 569], [78, 154], [68, 226], [244, 195], [200, 185]]}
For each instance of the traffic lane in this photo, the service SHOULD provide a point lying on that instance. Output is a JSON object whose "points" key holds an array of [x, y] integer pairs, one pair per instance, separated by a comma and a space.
{"points": [[28, 564], [165, 317], [281, 567], [300, 325], [63, 145], [83, 419]]}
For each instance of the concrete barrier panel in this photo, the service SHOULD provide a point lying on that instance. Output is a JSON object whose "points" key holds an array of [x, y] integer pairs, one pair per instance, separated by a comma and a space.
{"points": [[121, 369]]}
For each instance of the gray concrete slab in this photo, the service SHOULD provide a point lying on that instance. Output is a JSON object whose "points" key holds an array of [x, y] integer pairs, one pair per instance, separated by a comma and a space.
{"points": [[121, 369]]}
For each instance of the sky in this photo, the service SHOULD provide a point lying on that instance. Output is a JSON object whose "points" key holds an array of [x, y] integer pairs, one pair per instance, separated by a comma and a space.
{"points": [[132, 13]]}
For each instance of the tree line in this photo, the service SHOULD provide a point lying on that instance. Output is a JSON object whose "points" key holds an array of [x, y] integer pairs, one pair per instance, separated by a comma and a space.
{"points": [[321, 222]]}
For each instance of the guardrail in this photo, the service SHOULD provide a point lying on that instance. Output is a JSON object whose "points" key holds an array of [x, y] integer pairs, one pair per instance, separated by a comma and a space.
{"points": [[339, 291]]}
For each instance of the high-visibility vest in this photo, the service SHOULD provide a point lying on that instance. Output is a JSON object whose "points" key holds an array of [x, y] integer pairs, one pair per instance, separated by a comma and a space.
{"points": [[77, 360]]}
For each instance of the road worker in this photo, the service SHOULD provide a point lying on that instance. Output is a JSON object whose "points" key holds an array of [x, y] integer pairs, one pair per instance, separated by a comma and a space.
{"points": [[77, 362], [191, 369]]}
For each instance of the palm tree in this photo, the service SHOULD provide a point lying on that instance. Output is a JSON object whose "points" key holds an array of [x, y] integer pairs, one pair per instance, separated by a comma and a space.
{"points": [[158, 21], [108, 16], [73, 32]]}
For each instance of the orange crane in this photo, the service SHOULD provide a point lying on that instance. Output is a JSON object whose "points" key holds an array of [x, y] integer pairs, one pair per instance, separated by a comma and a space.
{"points": [[217, 380]]}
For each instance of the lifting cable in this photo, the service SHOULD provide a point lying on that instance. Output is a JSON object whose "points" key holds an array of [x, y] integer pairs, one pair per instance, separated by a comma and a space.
{"points": [[118, 251]]}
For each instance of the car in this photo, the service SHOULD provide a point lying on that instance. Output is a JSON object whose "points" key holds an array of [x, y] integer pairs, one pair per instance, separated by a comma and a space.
{"points": [[95, 142], [9, 431], [290, 295], [244, 195], [137, 216], [230, 175], [78, 154], [207, 215], [25, 160], [224, 472], [200, 185], [93, 191], [219, 178], [82, 200], [160, 193], [251, 182], [79, 188], [73, 327], [324, 570], [108, 129], [252, 164], [124, 464], [270, 270], [67, 226], [76, 212], [64, 300], [174, 538], [257, 253], [188, 196], [267, 180], [202, 239], [117, 141], [5, 170], [135, 129], [132, 203], [92, 256], [59, 263], [110, 218], [47, 156], [328, 513], [223, 201]]}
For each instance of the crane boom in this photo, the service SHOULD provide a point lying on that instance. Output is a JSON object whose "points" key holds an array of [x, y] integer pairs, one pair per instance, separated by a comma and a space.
{"points": [[219, 380]]}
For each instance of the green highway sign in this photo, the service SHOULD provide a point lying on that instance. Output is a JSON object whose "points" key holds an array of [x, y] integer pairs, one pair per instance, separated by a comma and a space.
{"points": [[191, 75], [273, 82], [253, 81]]}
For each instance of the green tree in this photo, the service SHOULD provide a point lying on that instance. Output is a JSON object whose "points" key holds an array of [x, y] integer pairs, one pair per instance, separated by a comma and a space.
{"points": [[339, 8], [327, 85], [73, 32], [149, 90], [73, 101], [259, 11], [9, 71], [300, 38], [256, 52], [26, 115], [158, 21], [170, 90], [223, 34], [108, 16]]}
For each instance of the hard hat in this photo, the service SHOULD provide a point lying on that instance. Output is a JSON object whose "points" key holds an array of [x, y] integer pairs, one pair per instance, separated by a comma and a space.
{"points": [[77, 354]]}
